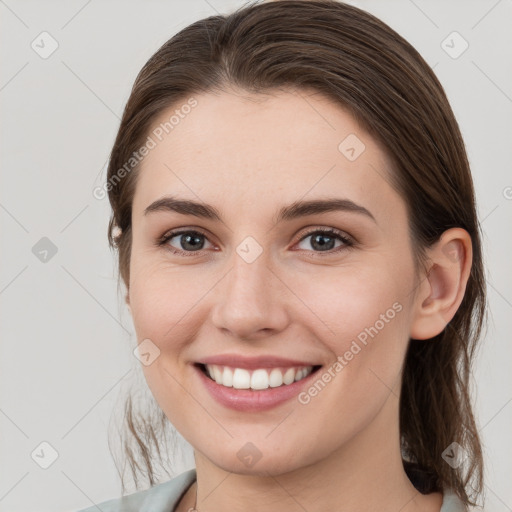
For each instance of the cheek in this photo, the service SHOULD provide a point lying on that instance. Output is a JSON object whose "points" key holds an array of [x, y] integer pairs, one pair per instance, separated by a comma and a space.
{"points": [[162, 299], [354, 304], [369, 314], [163, 304], [365, 318], [341, 305]]}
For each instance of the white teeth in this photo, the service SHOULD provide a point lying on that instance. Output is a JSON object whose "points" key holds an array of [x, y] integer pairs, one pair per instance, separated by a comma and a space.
{"points": [[227, 377], [217, 375], [259, 379], [289, 376], [276, 378], [240, 378]]}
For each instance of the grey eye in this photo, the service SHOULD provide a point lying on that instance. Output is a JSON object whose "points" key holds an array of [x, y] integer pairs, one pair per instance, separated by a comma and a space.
{"points": [[189, 241]]}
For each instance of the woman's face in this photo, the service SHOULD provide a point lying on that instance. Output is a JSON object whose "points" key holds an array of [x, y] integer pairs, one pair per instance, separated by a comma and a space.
{"points": [[260, 293]]}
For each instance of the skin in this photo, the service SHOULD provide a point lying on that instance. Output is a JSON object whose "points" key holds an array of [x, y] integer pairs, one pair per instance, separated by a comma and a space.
{"points": [[248, 155]]}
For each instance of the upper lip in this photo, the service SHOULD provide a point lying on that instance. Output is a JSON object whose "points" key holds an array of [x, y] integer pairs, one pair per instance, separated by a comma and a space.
{"points": [[254, 362]]}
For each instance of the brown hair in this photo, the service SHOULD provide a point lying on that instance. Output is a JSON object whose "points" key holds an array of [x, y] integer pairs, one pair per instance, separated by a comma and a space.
{"points": [[366, 67]]}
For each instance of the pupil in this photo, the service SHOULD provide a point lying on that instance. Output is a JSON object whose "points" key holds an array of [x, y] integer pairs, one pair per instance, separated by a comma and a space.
{"points": [[322, 245], [190, 240]]}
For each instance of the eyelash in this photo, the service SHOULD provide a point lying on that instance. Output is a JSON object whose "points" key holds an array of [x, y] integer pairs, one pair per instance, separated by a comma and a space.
{"points": [[348, 243]]}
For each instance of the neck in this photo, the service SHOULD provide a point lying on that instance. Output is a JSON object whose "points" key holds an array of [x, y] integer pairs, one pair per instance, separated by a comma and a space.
{"points": [[366, 473]]}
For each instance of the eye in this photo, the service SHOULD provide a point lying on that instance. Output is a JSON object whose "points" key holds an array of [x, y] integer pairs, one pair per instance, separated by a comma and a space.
{"points": [[324, 240], [187, 241]]}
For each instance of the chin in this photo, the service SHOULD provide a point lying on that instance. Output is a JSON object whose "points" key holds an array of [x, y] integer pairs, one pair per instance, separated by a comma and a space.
{"points": [[248, 460]]}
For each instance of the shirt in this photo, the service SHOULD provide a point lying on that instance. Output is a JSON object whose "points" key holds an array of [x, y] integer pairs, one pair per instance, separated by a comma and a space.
{"points": [[166, 496]]}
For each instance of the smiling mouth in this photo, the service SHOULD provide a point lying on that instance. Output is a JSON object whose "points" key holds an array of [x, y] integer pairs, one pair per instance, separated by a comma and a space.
{"points": [[258, 379]]}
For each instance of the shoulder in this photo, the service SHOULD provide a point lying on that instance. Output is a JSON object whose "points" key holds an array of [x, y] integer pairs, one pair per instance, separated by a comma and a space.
{"points": [[160, 498], [451, 503], [164, 497]]}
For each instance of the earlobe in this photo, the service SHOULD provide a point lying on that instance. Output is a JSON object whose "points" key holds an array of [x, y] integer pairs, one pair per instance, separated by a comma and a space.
{"points": [[442, 289]]}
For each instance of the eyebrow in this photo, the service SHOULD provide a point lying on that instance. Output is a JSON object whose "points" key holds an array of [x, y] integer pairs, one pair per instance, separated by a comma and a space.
{"points": [[295, 210]]}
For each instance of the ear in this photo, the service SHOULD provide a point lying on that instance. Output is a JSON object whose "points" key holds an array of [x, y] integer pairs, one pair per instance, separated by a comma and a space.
{"points": [[442, 289]]}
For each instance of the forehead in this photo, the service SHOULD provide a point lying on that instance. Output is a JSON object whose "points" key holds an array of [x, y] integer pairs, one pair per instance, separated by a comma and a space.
{"points": [[238, 149]]}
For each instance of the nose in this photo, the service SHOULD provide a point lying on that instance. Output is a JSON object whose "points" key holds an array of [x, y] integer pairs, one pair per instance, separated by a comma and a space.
{"points": [[250, 301]]}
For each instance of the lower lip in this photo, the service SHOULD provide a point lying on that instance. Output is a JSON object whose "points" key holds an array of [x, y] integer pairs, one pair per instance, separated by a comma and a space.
{"points": [[248, 400]]}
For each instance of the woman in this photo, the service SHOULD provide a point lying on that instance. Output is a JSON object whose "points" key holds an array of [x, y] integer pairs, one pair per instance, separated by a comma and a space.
{"points": [[297, 233]]}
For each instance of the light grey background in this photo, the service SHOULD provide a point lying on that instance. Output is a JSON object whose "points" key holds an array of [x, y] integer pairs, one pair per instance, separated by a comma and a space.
{"points": [[67, 340]]}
